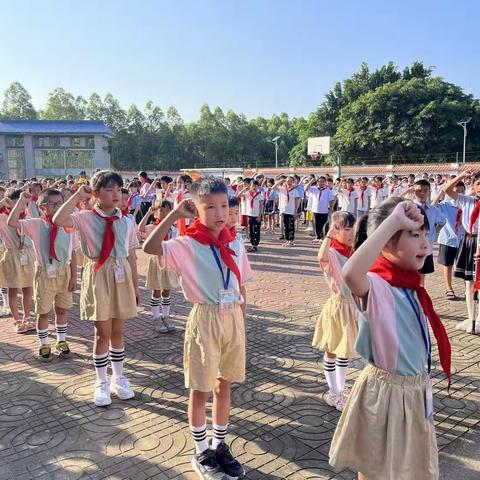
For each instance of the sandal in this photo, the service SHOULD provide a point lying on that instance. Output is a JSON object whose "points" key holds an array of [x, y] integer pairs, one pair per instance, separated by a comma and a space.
{"points": [[31, 325], [450, 294], [20, 327]]}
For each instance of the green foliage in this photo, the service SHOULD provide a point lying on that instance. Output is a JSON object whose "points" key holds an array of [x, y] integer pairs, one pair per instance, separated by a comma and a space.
{"points": [[17, 103]]}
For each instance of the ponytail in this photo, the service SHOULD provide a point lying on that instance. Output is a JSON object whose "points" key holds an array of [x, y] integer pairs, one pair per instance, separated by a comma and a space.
{"points": [[360, 231]]}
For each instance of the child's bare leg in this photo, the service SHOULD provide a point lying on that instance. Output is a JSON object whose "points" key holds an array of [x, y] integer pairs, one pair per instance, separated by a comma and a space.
{"points": [[221, 411], [103, 333], [12, 298], [447, 276], [42, 322], [361, 477], [27, 301]]}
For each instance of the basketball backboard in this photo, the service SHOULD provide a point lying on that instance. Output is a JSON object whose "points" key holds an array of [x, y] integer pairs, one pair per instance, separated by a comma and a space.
{"points": [[319, 145]]}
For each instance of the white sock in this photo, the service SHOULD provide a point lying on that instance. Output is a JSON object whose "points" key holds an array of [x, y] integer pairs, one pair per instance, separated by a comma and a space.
{"points": [[155, 306], [470, 300], [341, 366], [5, 299], [61, 332], [219, 434], [43, 336], [330, 375], [166, 306], [199, 435], [101, 362], [117, 357]]}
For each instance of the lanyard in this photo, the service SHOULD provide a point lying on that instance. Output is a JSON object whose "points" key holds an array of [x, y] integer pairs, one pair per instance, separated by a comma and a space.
{"points": [[217, 260], [425, 335]]}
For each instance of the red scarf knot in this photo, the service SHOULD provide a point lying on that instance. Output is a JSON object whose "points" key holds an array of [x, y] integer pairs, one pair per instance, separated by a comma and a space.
{"points": [[108, 240], [287, 191], [52, 237], [341, 248], [458, 220], [474, 215], [253, 196], [362, 189], [410, 279], [201, 234]]}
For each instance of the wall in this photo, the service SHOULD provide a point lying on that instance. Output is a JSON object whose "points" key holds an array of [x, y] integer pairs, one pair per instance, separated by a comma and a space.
{"points": [[101, 158]]}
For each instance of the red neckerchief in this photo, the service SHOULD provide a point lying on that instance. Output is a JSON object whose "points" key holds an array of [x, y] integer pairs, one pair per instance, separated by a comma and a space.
{"points": [[349, 190], [52, 237], [233, 231], [3, 209], [287, 191], [34, 198], [181, 225], [201, 234], [392, 189], [253, 196], [22, 215], [267, 194], [410, 279], [341, 248], [125, 212], [474, 215], [320, 191], [130, 198], [362, 189], [376, 191], [458, 220], [108, 240]]}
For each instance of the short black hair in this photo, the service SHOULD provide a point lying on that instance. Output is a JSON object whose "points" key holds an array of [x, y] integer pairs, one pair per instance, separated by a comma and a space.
{"points": [[256, 182], [166, 204], [166, 178], [49, 192], [104, 178], [124, 191], [233, 202], [208, 186], [422, 183], [14, 194]]}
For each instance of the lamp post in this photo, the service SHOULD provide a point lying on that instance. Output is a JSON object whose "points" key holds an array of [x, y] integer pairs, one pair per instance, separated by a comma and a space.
{"points": [[463, 124], [275, 141]]}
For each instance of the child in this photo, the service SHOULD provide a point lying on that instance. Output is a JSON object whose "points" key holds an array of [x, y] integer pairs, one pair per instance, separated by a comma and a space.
{"points": [[289, 200], [271, 206], [337, 329], [135, 201], [109, 292], [465, 264], [243, 188], [55, 267], [159, 280], [349, 197], [379, 193], [5, 308], [364, 193], [184, 183], [32, 209], [386, 430], [16, 265], [213, 267], [233, 209], [254, 207], [322, 204], [449, 236]]}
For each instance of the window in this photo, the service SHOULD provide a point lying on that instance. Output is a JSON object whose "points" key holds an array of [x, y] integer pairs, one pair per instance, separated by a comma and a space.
{"points": [[76, 142], [16, 163], [80, 159], [15, 141], [47, 158], [47, 142], [91, 142]]}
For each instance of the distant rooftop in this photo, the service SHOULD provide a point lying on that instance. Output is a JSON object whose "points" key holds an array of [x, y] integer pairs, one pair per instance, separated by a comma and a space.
{"points": [[54, 127]]}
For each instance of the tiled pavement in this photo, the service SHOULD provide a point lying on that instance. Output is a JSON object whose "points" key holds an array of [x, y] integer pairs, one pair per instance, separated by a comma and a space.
{"points": [[281, 427]]}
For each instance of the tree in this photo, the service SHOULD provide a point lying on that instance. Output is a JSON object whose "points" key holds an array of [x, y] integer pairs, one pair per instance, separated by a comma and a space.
{"points": [[62, 105], [95, 108], [17, 103]]}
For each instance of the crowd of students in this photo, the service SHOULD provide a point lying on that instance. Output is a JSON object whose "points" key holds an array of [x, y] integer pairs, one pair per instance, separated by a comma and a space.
{"points": [[376, 246]]}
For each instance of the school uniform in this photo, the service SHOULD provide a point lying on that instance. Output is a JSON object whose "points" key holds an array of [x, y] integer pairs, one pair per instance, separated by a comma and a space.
{"points": [[336, 328], [134, 202], [363, 202], [378, 195], [271, 202], [450, 234], [214, 338], [107, 292], [321, 201], [465, 266], [52, 275], [385, 431], [348, 200], [159, 278], [253, 204], [178, 197], [288, 210], [17, 259], [148, 200]]}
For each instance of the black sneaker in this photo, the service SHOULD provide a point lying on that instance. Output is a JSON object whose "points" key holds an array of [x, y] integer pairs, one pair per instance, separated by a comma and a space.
{"points": [[206, 466], [282, 237], [232, 467]]}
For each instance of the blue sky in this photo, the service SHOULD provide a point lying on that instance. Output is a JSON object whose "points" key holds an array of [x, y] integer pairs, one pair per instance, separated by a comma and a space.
{"points": [[253, 56]]}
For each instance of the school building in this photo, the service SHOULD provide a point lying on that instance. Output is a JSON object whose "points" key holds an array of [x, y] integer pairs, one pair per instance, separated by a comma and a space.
{"points": [[34, 148]]}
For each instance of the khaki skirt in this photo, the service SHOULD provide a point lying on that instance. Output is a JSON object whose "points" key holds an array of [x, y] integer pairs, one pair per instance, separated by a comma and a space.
{"points": [[12, 273], [102, 297], [383, 432], [160, 278], [337, 328]]}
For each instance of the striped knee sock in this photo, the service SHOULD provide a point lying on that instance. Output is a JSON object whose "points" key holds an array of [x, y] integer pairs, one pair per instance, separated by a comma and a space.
{"points": [[5, 299], [117, 357], [101, 362], [341, 365], [199, 435], [166, 306], [219, 434], [43, 336], [329, 371], [61, 332], [155, 306]]}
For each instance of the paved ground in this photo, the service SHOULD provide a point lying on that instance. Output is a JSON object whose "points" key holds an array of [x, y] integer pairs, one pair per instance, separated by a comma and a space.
{"points": [[281, 427]]}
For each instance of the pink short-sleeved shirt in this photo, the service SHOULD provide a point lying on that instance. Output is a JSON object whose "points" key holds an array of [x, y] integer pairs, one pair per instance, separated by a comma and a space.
{"points": [[10, 236], [199, 275]]}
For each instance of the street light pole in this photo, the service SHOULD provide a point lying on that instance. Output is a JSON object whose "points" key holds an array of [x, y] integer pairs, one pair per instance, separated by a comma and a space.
{"points": [[275, 141], [463, 124]]}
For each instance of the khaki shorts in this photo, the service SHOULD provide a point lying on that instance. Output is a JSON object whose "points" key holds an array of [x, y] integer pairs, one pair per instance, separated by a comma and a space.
{"points": [[101, 297], [12, 273], [214, 347], [52, 291]]}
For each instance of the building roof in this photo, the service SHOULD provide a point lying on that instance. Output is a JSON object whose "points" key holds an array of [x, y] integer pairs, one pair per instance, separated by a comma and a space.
{"points": [[54, 127]]}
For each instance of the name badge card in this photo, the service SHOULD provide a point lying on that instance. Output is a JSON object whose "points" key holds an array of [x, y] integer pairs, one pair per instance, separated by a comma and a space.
{"points": [[23, 259], [226, 299], [119, 273], [429, 402], [51, 271]]}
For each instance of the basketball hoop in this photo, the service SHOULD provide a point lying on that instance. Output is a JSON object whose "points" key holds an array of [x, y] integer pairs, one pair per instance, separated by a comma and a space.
{"points": [[314, 156]]}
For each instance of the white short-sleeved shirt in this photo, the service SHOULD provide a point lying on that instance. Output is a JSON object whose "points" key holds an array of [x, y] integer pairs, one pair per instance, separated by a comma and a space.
{"points": [[321, 199], [253, 211], [287, 200], [348, 200], [363, 199], [377, 196]]}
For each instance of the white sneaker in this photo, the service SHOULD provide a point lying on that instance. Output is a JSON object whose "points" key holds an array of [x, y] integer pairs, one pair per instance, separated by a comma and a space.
{"points": [[121, 388], [477, 327], [309, 229], [463, 325], [169, 325], [342, 400], [332, 399], [159, 325], [470, 327], [101, 397]]}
